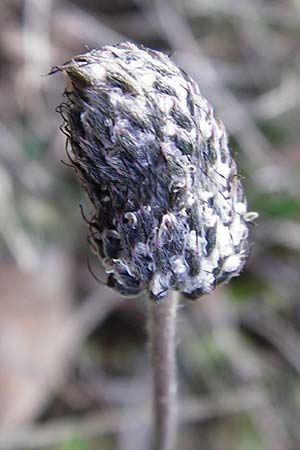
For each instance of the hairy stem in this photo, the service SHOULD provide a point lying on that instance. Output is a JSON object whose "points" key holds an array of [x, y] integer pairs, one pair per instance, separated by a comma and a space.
{"points": [[162, 328]]}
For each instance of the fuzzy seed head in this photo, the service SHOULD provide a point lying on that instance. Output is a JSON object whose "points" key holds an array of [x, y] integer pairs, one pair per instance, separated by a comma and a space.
{"points": [[169, 209]]}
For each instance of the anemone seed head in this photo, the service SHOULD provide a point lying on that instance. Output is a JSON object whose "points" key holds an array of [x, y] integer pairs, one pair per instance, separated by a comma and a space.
{"points": [[169, 209]]}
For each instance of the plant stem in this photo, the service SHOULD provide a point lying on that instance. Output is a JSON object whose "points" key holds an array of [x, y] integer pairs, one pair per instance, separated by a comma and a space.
{"points": [[162, 332]]}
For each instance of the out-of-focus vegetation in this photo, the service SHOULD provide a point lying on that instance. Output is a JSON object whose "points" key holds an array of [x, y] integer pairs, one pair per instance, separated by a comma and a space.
{"points": [[74, 373]]}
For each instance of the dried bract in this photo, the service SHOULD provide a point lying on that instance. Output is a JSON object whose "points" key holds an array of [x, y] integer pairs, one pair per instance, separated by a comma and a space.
{"points": [[170, 212]]}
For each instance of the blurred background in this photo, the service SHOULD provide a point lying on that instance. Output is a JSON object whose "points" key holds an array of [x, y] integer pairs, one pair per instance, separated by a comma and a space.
{"points": [[74, 372]]}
